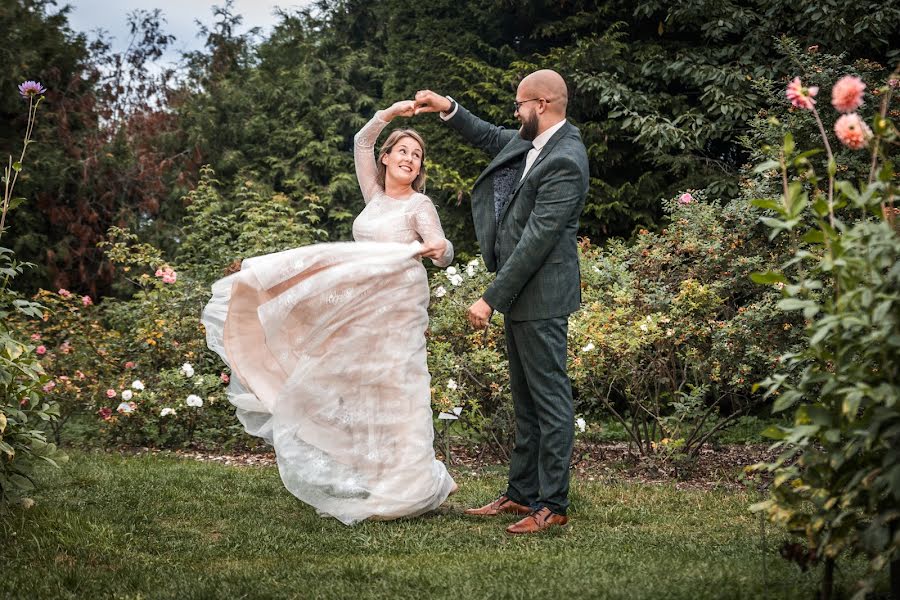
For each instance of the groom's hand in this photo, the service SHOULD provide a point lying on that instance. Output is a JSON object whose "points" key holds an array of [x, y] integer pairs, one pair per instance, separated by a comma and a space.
{"points": [[480, 314], [428, 102]]}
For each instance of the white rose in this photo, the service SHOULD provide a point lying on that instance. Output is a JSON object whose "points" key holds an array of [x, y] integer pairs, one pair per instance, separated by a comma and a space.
{"points": [[194, 400], [137, 384], [127, 395], [456, 279], [166, 412], [470, 270], [644, 327], [187, 369], [589, 347], [451, 384], [451, 271], [440, 292], [581, 424], [124, 408]]}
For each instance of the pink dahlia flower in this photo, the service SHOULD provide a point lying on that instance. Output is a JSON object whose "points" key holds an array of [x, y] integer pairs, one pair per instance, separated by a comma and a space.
{"points": [[847, 93], [852, 131], [31, 88], [801, 97]]}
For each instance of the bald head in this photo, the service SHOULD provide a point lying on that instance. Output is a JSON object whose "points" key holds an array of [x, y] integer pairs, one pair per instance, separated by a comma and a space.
{"points": [[546, 84]]}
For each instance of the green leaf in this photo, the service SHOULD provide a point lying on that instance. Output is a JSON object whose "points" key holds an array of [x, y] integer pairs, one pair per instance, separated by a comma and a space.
{"points": [[788, 144], [814, 236], [788, 304], [17, 166], [785, 401], [773, 432], [767, 166], [832, 167], [15, 203], [768, 277], [850, 405], [820, 206], [768, 204]]}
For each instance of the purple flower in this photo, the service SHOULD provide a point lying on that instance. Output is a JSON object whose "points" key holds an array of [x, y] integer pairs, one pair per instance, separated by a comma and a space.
{"points": [[31, 88]]}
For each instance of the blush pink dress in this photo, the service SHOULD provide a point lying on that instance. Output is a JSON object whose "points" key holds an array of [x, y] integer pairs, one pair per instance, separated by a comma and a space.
{"points": [[326, 344]]}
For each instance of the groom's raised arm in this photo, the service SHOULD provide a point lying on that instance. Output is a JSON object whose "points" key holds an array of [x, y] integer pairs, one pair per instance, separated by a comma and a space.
{"points": [[490, 138]]}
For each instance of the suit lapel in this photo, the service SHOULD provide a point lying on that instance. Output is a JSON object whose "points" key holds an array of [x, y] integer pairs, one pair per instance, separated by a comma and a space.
{"points": [[545, 152], [517, 148]]}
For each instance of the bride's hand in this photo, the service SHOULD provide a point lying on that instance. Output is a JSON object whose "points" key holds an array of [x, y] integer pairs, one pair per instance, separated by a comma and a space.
{"points": [[433, 250], [403, 108]]}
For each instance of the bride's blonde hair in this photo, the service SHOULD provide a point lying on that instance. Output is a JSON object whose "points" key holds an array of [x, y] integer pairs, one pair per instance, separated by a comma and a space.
{"points": [[418, 183]]}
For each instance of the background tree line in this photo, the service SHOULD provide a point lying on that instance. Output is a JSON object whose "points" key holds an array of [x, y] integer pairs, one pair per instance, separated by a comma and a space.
{"points": [[661, 93]]}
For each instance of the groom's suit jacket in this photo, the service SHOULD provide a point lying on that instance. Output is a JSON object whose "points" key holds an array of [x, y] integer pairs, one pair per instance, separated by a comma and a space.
{"points": [[532, 245]]}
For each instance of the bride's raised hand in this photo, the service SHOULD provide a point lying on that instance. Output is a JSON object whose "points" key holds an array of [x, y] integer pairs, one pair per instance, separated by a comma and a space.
{"points": [[428, 101], [403, 108]]}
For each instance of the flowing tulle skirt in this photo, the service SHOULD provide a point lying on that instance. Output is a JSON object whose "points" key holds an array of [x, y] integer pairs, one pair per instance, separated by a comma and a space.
{"points": [[326, 344]]}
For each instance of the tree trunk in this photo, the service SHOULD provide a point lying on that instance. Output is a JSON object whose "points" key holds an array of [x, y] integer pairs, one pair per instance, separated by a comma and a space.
{"points": [[895, 579], [828, 580]]}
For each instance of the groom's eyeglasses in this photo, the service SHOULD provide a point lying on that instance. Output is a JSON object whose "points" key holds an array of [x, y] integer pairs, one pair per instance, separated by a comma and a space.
{"points": [[517, 104]]}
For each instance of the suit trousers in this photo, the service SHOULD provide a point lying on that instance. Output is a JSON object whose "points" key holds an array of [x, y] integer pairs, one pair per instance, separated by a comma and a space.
{"points": [[542, 400]]}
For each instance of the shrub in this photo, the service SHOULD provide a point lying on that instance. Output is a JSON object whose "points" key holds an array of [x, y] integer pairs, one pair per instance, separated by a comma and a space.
{"points": [[837, 480]]}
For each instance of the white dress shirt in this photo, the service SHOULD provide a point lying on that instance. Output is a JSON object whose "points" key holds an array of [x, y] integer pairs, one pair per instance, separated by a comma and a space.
{"points": [[538, 143]]}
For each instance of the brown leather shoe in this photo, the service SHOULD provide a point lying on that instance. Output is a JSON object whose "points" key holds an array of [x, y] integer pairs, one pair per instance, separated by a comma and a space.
{"points": [[501, 505], [539, 520]]}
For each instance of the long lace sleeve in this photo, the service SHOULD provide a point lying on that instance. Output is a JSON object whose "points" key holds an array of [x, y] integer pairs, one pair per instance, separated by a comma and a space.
{"points": [[428, 226], [364, 156]]}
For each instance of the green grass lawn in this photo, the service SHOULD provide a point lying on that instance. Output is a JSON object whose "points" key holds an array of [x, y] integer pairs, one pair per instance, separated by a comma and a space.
{"points": [[160, 527]]}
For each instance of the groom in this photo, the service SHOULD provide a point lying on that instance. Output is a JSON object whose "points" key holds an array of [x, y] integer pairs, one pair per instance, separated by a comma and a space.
{"points": [[525, 206]]}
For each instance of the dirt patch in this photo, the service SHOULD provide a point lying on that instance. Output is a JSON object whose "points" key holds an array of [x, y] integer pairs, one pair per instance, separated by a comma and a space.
{"points": [[714, 467]]}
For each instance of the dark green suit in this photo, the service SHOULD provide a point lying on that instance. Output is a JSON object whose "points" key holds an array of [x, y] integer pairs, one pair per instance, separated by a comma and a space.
{"points": [[531, 245]]}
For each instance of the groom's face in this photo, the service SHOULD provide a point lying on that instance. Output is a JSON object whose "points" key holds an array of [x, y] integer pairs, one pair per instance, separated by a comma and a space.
{"points": [[529, 129], [527, 113]]}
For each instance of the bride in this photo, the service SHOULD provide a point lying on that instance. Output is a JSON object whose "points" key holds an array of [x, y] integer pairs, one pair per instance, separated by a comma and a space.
{"points": [[326, 344]]}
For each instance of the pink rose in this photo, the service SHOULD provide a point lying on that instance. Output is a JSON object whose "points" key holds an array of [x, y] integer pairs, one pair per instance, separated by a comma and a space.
{"points": [[79, 375], [847, 93], [852, 131], [35, 337], [224, 377], [685, 198], [64, 292], [168, 274], [49, 386], [86, 300], [130, 365], [105, 413], [801, 97], [110, 393], [41, 350]]}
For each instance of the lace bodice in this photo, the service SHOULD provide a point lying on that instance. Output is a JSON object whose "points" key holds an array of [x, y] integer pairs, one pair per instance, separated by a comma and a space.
{"points": [[387, 219]]}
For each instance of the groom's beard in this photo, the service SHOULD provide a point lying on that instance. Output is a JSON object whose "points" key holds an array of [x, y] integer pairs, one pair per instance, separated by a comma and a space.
{"points": [[529, 129]]}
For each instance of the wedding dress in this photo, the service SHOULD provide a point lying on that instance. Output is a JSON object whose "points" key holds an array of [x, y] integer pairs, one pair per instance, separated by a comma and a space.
{"points": [[326, 344]]}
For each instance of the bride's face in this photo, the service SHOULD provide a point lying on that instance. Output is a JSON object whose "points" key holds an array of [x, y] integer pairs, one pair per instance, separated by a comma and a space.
{"points": [[403, 162]]}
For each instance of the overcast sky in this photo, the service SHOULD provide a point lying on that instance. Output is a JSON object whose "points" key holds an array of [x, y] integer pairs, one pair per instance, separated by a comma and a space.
{"points": [[180, 15]]}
